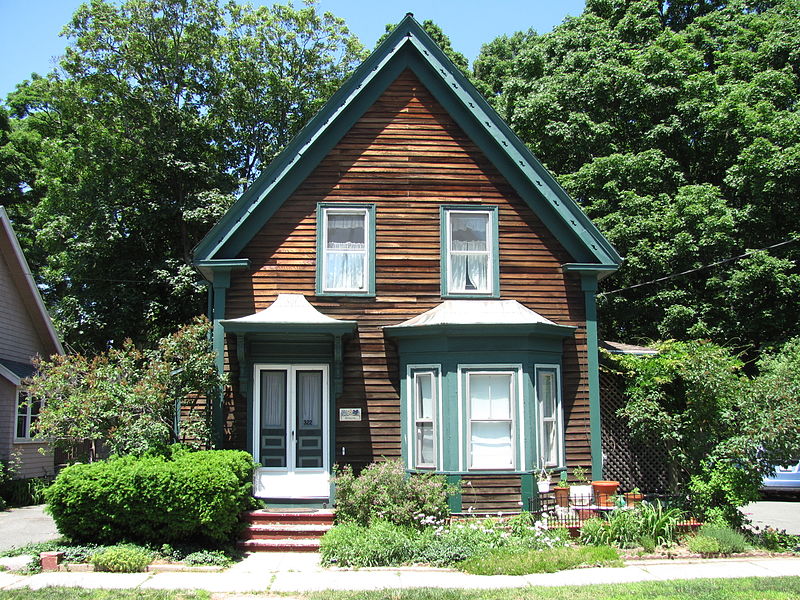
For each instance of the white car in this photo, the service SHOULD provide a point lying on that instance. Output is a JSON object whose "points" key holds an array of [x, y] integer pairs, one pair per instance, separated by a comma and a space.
{"points": [[783, 480]]}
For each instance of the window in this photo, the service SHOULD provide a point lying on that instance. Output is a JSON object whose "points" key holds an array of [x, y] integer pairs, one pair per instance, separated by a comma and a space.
{"points": [[345, 250], [548, 394], [490, 399], [470, 252], [424, 419], [27, 414]]}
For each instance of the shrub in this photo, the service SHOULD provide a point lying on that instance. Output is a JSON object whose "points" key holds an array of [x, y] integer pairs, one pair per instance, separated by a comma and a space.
{"points": [[462, 539], [702, 544], [648, 525], [596, 532], [729, 540], [384, 491], [380, 544], [776, 540], [190, 495], [507, 562], [122, 559], [216, 558]]}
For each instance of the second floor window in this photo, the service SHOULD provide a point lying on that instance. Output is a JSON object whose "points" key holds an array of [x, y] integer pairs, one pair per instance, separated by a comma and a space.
{"points": [[469, 248], [345, 250]]}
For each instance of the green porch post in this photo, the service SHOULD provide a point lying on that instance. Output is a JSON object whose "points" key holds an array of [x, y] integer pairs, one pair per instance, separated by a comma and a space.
{"points": [[589, 288], [454, 500]]}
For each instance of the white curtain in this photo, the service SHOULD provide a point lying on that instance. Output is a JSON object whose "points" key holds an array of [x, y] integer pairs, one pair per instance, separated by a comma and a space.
{"points": [[469, 256], [491, 445], [309, 399], [490, 421], [273, 399], [345, 252]]}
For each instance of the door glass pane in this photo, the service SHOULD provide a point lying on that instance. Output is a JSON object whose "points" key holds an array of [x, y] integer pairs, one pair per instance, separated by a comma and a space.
{"points": [[490, 445], [309, 420], [273, 418], [424, 396], [425, 456]]}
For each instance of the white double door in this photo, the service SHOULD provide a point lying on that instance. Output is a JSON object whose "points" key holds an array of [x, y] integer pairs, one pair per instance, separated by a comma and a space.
{"points": [[291, 431]]}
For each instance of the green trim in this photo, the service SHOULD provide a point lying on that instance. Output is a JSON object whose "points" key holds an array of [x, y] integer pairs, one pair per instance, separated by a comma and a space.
{"points": [[602, 271], [220, 286], [480, 329], [444, 238], [209, 269], [408, 46], [454, 500], [527, 489], [371, 247], [589, 287]]}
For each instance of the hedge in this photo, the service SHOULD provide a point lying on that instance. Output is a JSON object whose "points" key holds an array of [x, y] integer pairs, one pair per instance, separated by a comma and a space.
{"points": [[154, 499]]}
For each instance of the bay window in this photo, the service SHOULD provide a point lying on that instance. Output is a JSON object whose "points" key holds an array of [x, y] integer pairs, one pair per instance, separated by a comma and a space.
{"points": [[424, 402], [490, 400], [551, 434]]}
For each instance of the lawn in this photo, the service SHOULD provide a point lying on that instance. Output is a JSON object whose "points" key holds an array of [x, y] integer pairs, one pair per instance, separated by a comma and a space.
{"points": [[772, 588], [69, 593]]}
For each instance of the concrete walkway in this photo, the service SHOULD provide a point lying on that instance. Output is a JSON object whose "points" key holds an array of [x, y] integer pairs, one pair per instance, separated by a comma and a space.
{"points": [[26, 525], [286, 572]]}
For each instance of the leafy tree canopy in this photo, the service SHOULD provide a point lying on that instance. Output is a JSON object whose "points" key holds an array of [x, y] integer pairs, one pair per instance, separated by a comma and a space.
{"points": [[120, 160], [676, 126]]}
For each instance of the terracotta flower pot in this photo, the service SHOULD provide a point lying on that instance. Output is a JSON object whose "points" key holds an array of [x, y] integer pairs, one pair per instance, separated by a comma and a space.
{"points": [[562, 495], [632, 499], [603, 490]]}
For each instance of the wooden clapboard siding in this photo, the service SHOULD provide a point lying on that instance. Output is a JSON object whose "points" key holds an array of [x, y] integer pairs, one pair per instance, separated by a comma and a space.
{"points": [[491, 493], [407, 157]]}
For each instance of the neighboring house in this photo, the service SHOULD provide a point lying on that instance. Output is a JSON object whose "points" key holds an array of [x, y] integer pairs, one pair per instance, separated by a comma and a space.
{"points": [[26, 332], [406, 280]]}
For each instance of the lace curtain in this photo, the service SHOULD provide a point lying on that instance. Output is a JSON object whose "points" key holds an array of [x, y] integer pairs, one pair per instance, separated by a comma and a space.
{"points": [[469, 256], [345, 252], [309, 399], [273, 399]]}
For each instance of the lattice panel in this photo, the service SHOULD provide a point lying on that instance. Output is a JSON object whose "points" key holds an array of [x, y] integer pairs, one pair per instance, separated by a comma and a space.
{"points": [[631, 462]]}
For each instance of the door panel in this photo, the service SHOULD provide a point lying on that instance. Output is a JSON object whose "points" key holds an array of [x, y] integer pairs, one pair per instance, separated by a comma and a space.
{"points": [[273, 418]]}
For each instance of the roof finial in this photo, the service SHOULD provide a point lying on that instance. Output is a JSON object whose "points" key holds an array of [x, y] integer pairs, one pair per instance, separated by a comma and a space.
{"points": [[410, 14]]}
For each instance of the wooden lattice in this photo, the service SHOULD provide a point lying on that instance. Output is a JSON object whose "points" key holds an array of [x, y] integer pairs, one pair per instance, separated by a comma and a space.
{"points": [[632, 462]]}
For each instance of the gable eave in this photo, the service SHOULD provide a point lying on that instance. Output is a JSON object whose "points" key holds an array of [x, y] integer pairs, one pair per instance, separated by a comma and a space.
{"points": [[408, 41], [16, 261]]}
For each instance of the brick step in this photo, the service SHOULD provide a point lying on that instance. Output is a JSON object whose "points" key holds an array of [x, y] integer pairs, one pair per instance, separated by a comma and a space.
{"points": [[279, 545], [261, 517], [282, 531]]}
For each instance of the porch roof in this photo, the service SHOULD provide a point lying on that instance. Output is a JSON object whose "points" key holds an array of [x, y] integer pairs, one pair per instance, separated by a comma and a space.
{"points": [[290, 313], [492, 315]]}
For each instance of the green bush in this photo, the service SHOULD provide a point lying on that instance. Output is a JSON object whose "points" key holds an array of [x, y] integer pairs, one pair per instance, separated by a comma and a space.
{"points": [[596, 532], [702, 544], [729, 540], [647, 525], [380, 544], [190, 495], [384, 491], [216, 558], [122, 559]]}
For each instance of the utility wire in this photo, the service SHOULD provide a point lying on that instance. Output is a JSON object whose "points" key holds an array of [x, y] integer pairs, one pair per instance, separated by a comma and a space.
{"points": [[704, 267]]}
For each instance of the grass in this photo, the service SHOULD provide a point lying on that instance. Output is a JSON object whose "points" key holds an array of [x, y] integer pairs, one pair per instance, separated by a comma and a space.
{"points": [[753, 588], [68, 593], [509, 562]]}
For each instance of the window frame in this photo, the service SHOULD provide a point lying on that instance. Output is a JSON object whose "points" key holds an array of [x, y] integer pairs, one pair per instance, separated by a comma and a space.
{"points": [[558, 417], [492, 251], [368, 212], [29, 416], [515, 373], [413, 371]]}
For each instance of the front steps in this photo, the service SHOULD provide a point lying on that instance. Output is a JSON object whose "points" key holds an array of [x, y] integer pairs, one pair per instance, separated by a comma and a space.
{"points": [[283, 531]]}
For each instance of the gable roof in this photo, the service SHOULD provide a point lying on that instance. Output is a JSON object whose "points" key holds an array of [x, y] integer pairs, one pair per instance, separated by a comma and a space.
{"points": [[410, 47], [26, 286]]}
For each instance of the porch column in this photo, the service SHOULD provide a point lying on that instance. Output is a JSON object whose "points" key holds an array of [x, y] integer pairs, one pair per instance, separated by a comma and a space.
{"points": [[589, 288]]}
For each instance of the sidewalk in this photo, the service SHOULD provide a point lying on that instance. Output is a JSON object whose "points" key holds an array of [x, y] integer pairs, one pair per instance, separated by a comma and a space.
{"points": [[291, 572]]}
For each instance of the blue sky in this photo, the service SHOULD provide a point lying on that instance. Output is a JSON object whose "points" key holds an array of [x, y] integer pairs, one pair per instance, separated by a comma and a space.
{"points": [[29, 40]]}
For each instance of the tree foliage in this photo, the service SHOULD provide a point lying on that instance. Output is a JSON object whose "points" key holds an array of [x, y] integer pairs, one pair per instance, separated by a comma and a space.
{"points": [[721, 430], [130, 399], [676, 126], [128, 153]]}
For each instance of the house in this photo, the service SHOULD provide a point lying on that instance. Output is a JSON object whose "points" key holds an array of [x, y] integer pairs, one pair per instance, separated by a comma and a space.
{"points": [[26, 332], [406, 280]]}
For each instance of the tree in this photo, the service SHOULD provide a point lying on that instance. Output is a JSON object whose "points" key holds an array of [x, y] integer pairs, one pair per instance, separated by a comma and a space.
{"points": [[721, 430], [129, 399], [443, 41], [675, 126], [161, 110]]}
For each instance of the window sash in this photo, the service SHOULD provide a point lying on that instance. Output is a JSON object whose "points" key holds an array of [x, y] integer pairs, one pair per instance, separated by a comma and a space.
{"points": [[469, 262], [345, 262], [27, 413], [551, 429], [424, 405], [491, 437]]}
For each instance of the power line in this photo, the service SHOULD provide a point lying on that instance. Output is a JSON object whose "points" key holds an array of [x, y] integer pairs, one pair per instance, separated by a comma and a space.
{"points": [[704, 267]]}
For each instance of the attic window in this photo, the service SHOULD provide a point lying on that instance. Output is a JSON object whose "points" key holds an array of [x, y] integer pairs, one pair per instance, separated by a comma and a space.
{"points": [[470, 252], [345, 252]]}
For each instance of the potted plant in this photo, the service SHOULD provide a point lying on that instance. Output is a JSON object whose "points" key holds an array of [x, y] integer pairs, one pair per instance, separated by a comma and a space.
{"points": [[634, 497], [561, 491], [543, 481], [603, 491], [580, 491]]}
